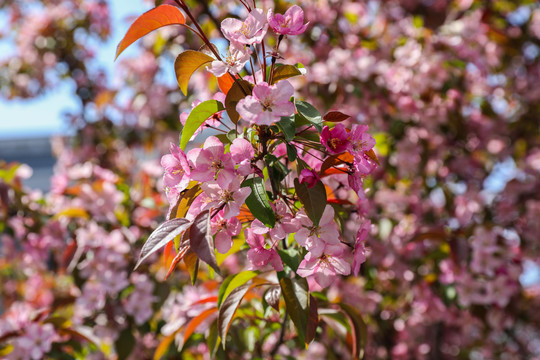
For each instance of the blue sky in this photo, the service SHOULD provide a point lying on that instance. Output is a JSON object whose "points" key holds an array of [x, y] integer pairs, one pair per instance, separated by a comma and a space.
{"points": [[43, 116]]}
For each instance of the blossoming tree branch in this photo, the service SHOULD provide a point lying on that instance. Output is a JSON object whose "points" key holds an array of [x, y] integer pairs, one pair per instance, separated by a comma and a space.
{"points": [[278, 180]]}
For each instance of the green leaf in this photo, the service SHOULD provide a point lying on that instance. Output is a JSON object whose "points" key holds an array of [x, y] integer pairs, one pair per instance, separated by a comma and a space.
{"points": [[201, 239], [192, 263], [186, 64], [314, 199], [279, 170], [358, 329], [161, 236], [232, 282], [212, 341], [310, 114], [196, 117], [286, 124], [239, 90], [291, 152], [296, 295], [124, 344], [290, 258], [282, 72], [258, 202]]}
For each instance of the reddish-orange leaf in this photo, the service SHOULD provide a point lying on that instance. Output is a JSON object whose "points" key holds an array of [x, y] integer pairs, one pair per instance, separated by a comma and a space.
{"points": [[225, 83], [181, 253], [373, 156], [211, 299], [168, 255], [196, 321], [160, 16], [335, 160]]}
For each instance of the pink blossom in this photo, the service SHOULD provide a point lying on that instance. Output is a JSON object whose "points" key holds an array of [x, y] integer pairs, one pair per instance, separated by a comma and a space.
{"points": [[285, 224], [211, 161], [315, 238], [308, 176], [323, 268], [290, 23], [360, 141], [248, 32], [176, 168], [37, 340], [336, 140], [267, 104], [242, 153], [224, 230], [233, 62], [261, 254], [360, 246], [231, 197]]}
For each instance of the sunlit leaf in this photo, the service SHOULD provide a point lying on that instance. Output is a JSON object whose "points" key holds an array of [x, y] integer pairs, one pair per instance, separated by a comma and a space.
{"points": [[284, 72], [225, 83], [196, 321], [186, 64], [149, 21], [239, 90], [181, 207], [296, 295], [201, 239], [192, 264], [314, 199], [161, 236], [179, 256], [196, 118], [336, 160], [72, 213], [259, 203], [371, 154], [232, 282]]}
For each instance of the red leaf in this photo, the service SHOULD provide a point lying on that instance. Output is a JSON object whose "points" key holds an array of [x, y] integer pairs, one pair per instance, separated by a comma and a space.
{"points": [[196, 321], [201, 239], [225, 83], [335, 116], [181, 253], [149, 21]]}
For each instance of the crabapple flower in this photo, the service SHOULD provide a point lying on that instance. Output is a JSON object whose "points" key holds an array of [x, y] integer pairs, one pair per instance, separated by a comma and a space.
{"points": [[233, 62], [232, 196], [360, 247], [211, 161], [285, 224], [267, 104], [261, 254], [248, 32], [37, 340], [308, 176], [290, 23], [176, 168], [360, 141], [315, 238], [242, 153], [224, 231], [336, 140], [325, 266]]}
